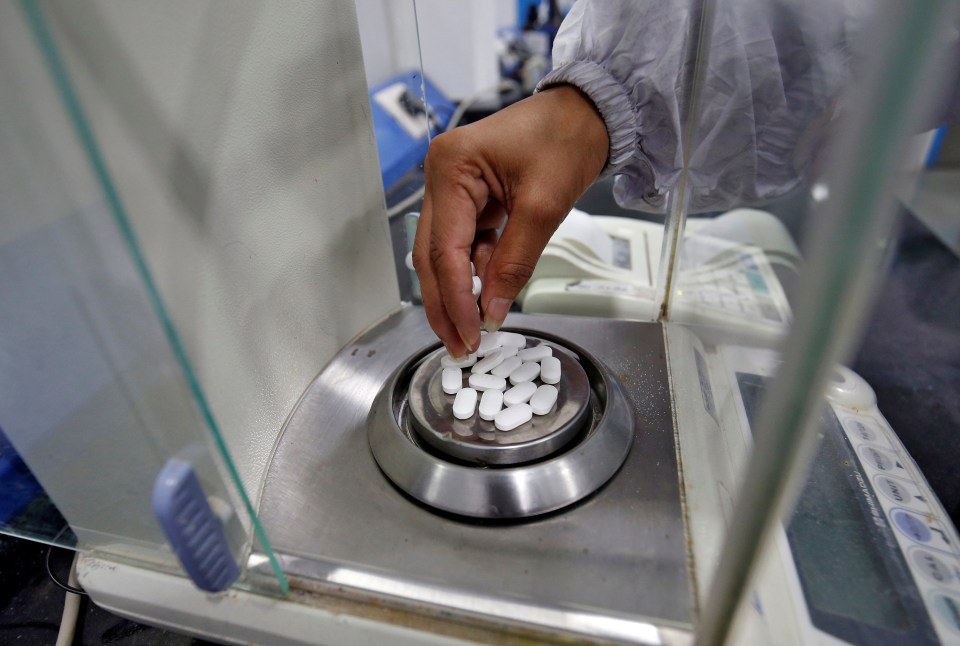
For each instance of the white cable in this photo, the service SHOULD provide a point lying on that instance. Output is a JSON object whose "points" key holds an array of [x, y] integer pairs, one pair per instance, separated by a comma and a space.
{"points": [[502, 86], [71, 609]]}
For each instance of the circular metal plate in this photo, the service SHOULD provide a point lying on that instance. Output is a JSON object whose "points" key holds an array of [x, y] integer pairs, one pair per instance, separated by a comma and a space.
{"points": [[478, 440], [508, 491]]}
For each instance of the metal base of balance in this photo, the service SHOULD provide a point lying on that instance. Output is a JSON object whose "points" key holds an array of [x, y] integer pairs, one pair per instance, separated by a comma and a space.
{"points": [[612, 565]]}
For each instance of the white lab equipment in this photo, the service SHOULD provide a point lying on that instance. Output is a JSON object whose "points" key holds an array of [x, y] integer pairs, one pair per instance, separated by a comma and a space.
{"points": [[732, 267]]}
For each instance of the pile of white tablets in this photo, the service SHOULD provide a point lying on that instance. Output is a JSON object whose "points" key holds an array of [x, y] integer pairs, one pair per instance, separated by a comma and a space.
{"points": [[532, 374]]}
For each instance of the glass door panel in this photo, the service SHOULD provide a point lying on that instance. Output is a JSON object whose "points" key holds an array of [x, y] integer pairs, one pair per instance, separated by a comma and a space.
{"points": [[100, 388]]}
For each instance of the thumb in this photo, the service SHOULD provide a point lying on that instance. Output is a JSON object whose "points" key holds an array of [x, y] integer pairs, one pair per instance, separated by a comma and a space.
{"points": [[513, 260]]}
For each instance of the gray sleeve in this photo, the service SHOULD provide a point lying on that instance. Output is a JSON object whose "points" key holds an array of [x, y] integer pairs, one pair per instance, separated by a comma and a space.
{"points": [[773, 74]]}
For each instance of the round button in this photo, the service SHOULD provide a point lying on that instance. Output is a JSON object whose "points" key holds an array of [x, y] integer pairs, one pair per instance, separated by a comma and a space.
{"points": [[912, 526], [932, 566], [947, 608], [863, 430], [880, 460], [896, 490]]}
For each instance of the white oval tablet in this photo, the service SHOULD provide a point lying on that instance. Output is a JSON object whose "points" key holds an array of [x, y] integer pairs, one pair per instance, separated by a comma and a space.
{"points": [[526, 372], [488, 363], [507, 366], [464, 362], [487, 382], [510, 418], [488, 343], [476, 287], [536, 353], [543, 400], [513, 339], [508, 351], [519, 394], [452, 380], [550, 370], [490, 404], [465, 403]]}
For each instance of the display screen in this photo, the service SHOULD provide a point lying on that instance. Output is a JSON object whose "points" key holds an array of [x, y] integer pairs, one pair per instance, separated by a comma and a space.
{"points": [[852, 572]]}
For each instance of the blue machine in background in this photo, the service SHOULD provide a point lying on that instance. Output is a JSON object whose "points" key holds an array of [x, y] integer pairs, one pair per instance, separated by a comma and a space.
{"points": [[400, 121], [18, 485]]}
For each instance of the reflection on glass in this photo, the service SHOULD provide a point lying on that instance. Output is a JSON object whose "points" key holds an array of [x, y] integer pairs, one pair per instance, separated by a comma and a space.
{"points": [[799, 154], [25, 508]]}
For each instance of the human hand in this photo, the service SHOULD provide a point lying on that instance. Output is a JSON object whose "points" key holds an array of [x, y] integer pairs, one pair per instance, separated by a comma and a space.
{"points": [[531, 161]]}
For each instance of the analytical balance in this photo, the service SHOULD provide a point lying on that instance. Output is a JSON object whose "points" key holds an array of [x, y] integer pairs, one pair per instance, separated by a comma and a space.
{"points": [[197, 247]]}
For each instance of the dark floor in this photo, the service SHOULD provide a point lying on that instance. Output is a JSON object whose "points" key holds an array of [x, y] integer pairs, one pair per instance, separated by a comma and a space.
{"points": [[31, 604], [910, 355]]}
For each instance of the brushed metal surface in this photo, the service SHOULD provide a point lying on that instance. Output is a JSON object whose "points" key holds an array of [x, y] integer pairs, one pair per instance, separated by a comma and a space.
{"points": [[619, 554], [514, 491], [477, 440]]}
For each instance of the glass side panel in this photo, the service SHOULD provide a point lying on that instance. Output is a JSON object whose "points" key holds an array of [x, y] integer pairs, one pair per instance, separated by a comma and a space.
{"points": [[98, 389], [804, 136]]}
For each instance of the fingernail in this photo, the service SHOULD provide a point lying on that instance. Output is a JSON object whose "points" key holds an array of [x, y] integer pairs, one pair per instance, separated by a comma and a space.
{"points": [[471, 347], [494, 314]]}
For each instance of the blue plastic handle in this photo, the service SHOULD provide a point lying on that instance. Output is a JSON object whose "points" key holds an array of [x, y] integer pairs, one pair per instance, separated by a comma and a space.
{"points": [[194, 531]]}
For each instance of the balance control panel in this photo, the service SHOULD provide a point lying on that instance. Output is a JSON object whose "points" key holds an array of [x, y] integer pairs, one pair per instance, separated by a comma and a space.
{"points": [[922, 530]]}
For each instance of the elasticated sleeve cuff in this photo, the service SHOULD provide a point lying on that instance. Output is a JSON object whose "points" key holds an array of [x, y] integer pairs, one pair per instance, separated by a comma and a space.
{"points": [[611, 100]]}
